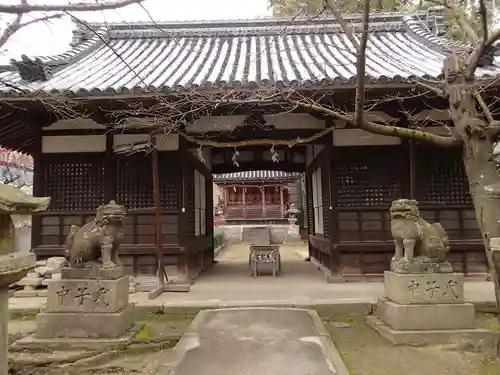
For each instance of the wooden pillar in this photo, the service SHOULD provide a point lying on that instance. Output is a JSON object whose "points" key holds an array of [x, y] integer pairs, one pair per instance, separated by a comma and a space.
{"points": [[412, 169], [39, 184], [225, 196], [110, 170], [244, 201], [263, 201], [282, 207]]}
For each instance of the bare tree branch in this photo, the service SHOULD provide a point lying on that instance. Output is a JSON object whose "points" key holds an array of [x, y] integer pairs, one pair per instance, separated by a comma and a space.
{"points": [[16, 25], [361, 67], [462, 22], [345, 26], [372, 127], [11, 28], [82, 7], [484, 19], [478, 52]]}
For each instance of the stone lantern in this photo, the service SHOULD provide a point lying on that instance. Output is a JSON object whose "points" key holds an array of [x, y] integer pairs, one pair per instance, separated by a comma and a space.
{"points": [[293, 235], [13, 265]]}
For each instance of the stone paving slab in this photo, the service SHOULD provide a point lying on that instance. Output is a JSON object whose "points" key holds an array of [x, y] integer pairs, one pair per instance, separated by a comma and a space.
{"points": [[359, 296], [255, 341]]}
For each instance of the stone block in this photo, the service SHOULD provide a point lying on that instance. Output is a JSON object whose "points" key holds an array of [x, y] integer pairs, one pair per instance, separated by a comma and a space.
{"points": [[87, 296], [92, 273], [54, 263], [424, 288], [30, 281], [25, 293], [420, 265], [42, 271], [426, 316], [476, 338], [42, 293], [87, 325]]}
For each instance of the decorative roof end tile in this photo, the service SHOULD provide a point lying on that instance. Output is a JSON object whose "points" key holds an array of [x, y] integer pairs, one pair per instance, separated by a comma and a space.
{"points": [[32, 70]]}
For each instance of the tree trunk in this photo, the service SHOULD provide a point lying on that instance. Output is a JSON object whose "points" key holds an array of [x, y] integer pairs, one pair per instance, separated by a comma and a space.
{"points": [[481, 172]]}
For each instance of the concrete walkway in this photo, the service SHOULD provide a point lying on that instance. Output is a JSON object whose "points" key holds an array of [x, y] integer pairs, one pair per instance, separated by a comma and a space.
{"points": [[255, 342], [301, 284]]}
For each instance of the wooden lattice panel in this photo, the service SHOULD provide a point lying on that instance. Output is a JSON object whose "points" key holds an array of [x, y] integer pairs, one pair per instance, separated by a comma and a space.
{"points": [[75, 185], [368, 177], [134, 182], [325, 192], [169, 173], [440, 177]]}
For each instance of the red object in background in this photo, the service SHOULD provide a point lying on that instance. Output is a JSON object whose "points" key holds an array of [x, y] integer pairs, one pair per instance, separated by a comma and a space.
{"points": [[218, 221]]}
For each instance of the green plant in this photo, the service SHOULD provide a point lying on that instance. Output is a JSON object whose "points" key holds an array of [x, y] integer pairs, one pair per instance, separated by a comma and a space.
{"points": [[219, 239]]}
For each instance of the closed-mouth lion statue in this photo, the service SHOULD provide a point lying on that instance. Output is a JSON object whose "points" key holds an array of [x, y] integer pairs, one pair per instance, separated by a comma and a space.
{"points": [[413, 236]]}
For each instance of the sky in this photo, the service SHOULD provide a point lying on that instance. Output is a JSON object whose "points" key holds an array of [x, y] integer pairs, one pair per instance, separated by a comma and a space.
{"points": [[54, 37]]}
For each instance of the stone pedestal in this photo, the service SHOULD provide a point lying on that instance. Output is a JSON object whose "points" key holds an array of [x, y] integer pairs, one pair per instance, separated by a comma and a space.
{"points": [[13, 267], [425, 309], [85, 306]]}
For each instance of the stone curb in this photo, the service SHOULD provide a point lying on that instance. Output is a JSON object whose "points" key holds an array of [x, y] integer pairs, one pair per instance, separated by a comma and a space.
{"points": [[335, 306], [329, 349], [332, 306], [218, 250]]}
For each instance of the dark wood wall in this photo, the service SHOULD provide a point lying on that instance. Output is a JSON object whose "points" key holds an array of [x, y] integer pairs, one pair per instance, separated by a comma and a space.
{"points": [[321, 245], [366, 180], [79, 183], [199, 248]]}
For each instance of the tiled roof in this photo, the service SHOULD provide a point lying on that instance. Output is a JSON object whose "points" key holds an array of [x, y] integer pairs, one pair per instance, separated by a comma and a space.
{"points": [[124, 58], [256, 176]]}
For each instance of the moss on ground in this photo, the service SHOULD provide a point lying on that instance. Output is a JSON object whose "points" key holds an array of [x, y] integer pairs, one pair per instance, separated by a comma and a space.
{"points": [[366, 353], [488, 321], [23, 315]]}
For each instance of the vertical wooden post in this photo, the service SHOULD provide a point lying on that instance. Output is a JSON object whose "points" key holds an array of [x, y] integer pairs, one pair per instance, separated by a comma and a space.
{"points": [[282, 207], [412, 169], [110, 170], [225, 194], [39, 184], [263, 201], [161, 273], [244, 202]]}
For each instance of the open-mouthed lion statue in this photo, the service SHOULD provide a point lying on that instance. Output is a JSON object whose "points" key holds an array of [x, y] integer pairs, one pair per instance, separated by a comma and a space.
{"points": [[99, 239], [413, 236]]}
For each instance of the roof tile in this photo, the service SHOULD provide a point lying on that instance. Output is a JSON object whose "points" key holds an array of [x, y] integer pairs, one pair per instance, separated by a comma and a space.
{"points": [[259, 52]]}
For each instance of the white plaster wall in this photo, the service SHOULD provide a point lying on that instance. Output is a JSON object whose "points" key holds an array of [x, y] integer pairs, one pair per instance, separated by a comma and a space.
{"points": [[217, 194]]}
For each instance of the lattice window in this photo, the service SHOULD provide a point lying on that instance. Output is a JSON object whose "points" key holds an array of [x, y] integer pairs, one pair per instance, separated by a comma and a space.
{"points": [[134, 182], [368, 178], [134, 187], [75, 185], [169, 174], [440, 177]]}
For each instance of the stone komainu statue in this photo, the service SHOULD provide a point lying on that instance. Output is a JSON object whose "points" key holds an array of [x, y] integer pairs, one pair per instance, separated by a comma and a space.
{"points": [[98, 239], [413, 236]]}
